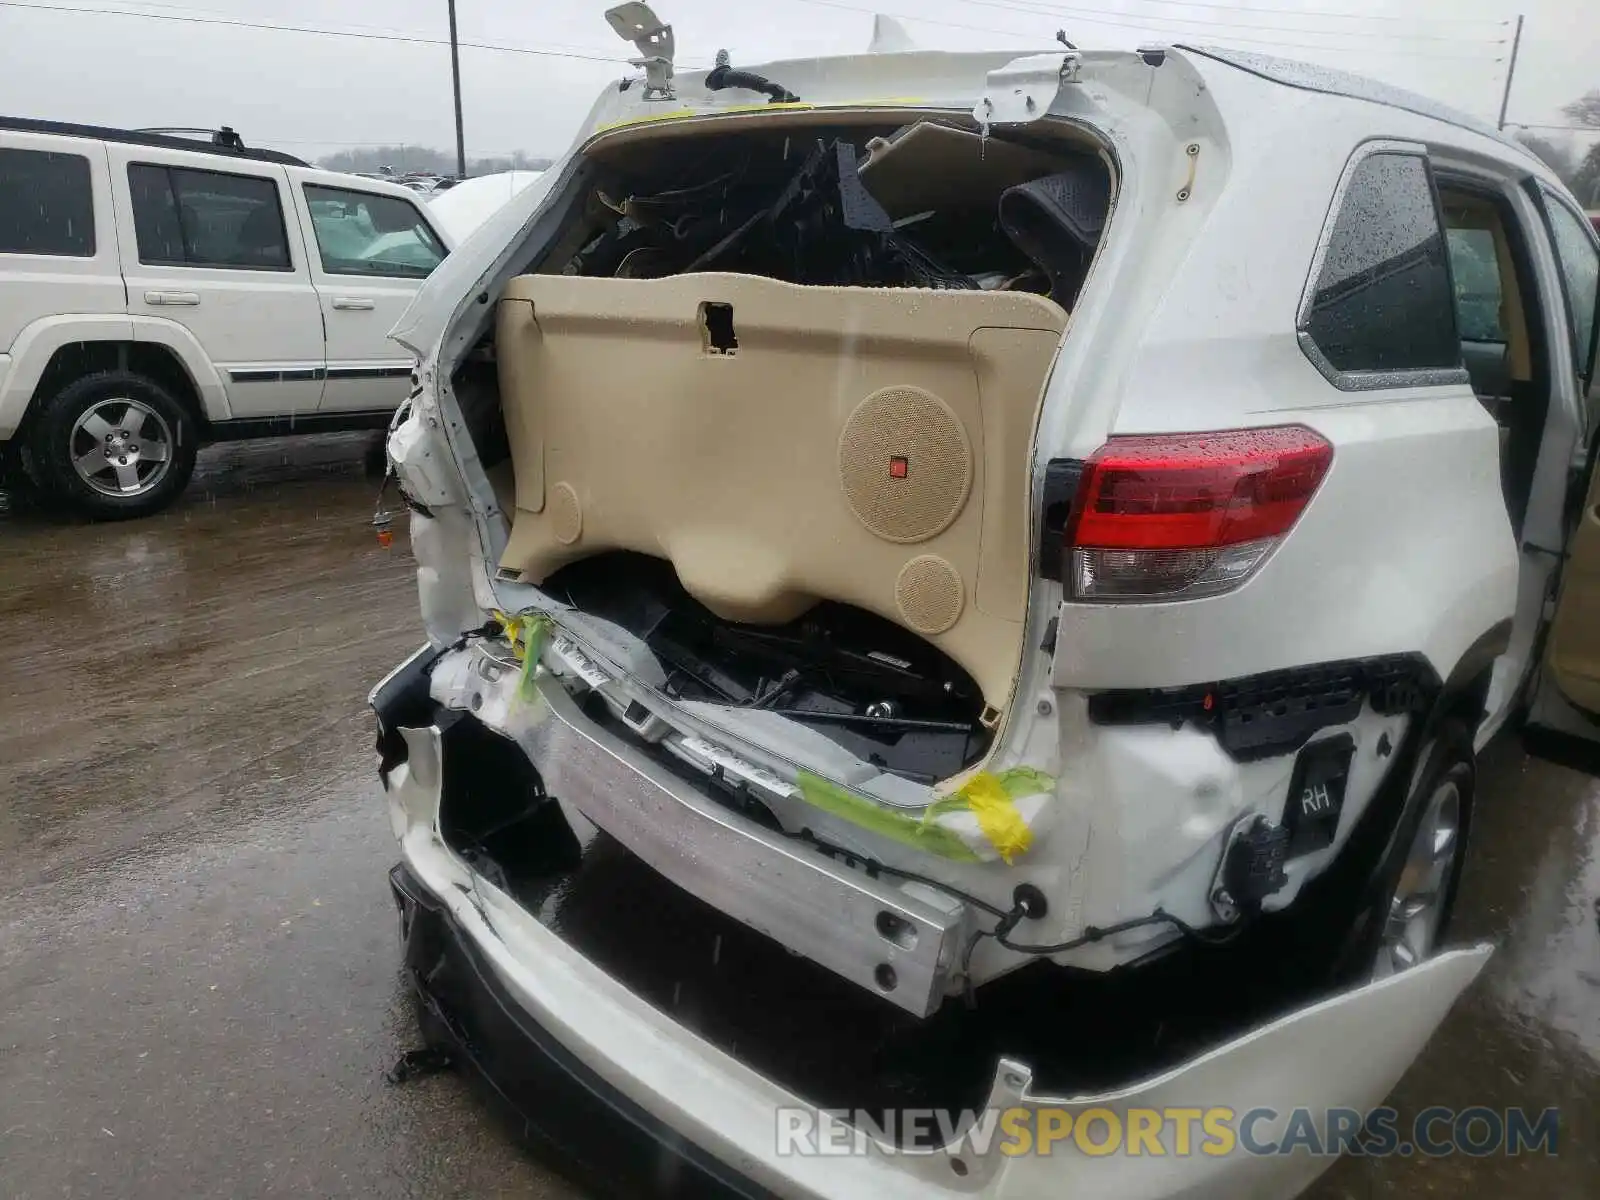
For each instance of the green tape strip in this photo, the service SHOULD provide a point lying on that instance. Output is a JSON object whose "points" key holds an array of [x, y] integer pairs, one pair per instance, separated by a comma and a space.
{"points": [[869, 815], [534, 629]]}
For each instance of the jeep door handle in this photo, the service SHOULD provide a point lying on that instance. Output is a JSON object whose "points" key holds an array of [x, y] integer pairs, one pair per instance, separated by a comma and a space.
{"points": [[350, 303], [164, 297]]}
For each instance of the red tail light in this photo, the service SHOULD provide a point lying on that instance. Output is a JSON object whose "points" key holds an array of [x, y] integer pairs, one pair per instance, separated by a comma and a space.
{"points": [[1179, 516]]}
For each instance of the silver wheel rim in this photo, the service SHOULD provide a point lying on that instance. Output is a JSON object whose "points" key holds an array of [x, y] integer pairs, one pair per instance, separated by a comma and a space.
{"points": [[1416, 909], [121, 447]]}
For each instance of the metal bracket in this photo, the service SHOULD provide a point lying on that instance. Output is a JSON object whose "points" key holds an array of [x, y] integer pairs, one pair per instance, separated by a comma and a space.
{"points": [[1023, 90], [638, 23], [1250, 868]]}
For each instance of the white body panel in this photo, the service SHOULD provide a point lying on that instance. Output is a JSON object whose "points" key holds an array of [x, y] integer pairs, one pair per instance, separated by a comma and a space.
{"points": [[38, 285], [366, 371], [458, 211], [254, 324]]}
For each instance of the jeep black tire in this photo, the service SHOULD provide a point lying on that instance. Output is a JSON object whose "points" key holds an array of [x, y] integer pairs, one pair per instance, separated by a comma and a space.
{"points": [[113, 445]]}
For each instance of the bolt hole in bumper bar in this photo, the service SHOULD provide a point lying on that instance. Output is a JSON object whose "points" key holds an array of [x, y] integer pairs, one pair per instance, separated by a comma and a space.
{"points": [[563, 1041]]}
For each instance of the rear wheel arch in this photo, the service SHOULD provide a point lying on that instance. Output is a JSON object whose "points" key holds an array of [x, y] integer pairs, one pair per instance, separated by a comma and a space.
{"points": [[1465, 691], [1460, 701], [1337, 908], [155, 361]]}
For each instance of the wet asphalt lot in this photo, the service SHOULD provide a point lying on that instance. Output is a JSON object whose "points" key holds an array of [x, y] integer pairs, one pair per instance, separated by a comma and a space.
{"points": [[198, 985]]}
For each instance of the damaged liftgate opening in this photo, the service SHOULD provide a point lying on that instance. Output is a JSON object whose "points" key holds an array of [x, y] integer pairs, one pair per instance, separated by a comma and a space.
{"points": [[818, 402], [769, 406]]}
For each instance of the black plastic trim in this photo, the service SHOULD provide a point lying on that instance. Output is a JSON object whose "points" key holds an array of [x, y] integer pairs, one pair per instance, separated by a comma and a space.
{"points": [[308, 374], [134, 137], [1061, 479], [403, 700], [1277, 712], [243, 428], [560, 1105], [367, 373]]}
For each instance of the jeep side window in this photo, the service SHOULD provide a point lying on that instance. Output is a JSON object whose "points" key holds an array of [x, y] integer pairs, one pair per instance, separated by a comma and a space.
{"points": [[1383, 300], [188, 218], [46, 204], [359, 233]]}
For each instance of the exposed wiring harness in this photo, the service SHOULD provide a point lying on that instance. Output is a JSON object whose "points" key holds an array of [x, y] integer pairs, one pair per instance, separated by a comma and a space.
{"points": [[1030, 903]]}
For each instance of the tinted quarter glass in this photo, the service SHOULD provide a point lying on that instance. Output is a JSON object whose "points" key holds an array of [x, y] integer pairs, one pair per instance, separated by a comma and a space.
{"points": [[231, 220], [155, 216], [188, 218], [1383, 300], [359, 233], [46, 204]]}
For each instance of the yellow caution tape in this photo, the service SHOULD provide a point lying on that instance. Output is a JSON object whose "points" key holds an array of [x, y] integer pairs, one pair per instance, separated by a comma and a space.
{"points": [[991, 799], [525, 632], [997, 816]]}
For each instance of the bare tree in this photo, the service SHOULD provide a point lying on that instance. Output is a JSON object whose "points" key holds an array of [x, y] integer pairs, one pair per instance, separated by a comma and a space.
{"points": [[1585, 110], [1586, 180], [401, 159], [1557, 157]]}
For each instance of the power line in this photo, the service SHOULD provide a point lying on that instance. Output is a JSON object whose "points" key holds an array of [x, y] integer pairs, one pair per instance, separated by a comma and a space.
{"points": [[342, 25], [1146, 31], [1320, 13], [1213, 23], [414, 39], [1593, 129]]}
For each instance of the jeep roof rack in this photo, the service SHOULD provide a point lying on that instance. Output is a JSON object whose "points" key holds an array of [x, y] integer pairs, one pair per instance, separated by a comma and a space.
{"points": [[206, 141]]}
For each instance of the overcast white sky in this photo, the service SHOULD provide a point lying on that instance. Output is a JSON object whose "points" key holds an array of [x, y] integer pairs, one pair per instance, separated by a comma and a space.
{"points": [[74, 60]]}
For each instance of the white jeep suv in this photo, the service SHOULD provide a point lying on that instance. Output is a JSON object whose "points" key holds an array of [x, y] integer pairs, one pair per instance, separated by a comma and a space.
{"points": [[887, 522], [158, 291]]}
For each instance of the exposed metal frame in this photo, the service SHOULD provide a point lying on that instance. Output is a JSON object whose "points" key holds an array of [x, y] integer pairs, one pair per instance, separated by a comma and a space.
{"points": [[903, 947]]}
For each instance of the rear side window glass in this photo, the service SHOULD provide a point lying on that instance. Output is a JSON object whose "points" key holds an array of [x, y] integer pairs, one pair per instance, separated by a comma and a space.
{"points": [[46, 204], [1475, 264], [187, 218], [1383, 300]]}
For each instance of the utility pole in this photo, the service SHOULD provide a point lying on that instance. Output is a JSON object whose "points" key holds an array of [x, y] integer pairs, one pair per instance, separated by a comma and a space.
{"points": [[1505, 99], [455, 80]]}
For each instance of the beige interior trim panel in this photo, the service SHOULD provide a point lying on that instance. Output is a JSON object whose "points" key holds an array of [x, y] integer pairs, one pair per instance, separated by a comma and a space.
{"points": [[870, 446], [1573, 652]]}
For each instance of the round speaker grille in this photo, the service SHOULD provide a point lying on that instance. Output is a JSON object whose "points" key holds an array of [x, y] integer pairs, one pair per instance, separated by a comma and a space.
{"points": [[905, 464], [566, 517], [929, 594]]}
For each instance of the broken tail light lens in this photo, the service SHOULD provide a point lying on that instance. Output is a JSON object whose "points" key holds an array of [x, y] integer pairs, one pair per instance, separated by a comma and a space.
{"points": [[1176, 517]]}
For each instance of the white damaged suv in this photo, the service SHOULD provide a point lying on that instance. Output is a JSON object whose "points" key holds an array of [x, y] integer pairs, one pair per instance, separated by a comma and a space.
{"points": [[979, 581]]}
